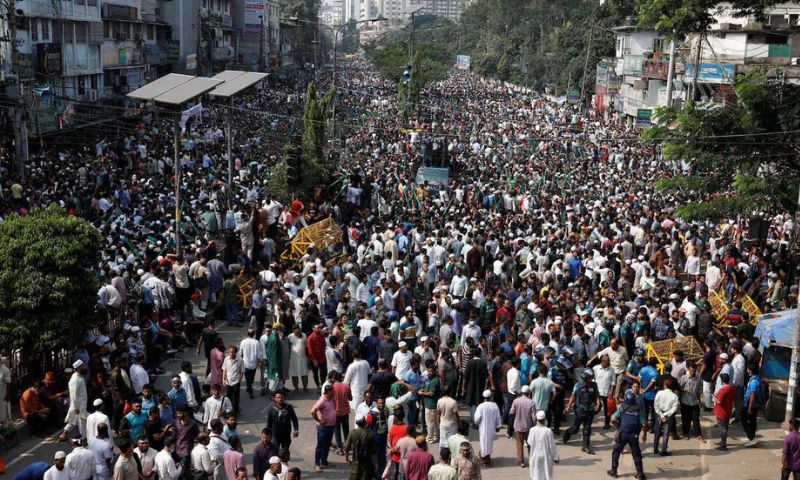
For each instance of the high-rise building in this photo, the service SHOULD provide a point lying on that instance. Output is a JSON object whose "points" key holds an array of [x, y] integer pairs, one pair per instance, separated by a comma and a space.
{"points": [[443, 8]]}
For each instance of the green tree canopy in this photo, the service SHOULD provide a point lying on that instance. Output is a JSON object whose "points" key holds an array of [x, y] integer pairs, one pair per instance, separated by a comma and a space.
{"points": [[743, 156], [47, 288]]}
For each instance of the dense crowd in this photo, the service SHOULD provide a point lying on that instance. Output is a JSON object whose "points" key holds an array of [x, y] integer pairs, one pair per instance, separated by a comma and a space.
{"points": [[526, 288]]}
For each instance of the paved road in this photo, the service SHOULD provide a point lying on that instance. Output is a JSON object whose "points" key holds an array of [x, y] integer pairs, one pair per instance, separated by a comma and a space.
{"points": [[691, 459]]}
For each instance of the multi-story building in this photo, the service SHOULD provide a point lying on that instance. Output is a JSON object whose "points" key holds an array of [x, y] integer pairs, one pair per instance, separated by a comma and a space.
{"points": [[259, 42], [640, 68], [135, 45], [450, 9], [204, 32]]}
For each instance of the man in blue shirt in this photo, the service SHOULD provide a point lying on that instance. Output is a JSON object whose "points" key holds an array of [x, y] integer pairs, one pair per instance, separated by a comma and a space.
{"points": [[34, 471], [648, 374], [752, 401], [413, 379]]}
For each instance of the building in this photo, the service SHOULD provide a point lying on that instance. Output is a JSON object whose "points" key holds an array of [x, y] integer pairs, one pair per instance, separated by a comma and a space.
{"points": [[132, 51], [259, 43], [450, 9], [204, 32]]}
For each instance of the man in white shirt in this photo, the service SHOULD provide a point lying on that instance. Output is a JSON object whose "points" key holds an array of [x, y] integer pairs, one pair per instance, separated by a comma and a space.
{"points": [[458, 285], [103, 450], [80, 461], [188, 386], [58, 471], [201, 458], [737, 379], [165, 465], [514, 389], [216, 406], [401, 360], [96, 418], [425, 351], [357, 376], [217, 446], [366, 324], [665, 405], [232, 373], [146, 456], [139, 377], [251, 351]]}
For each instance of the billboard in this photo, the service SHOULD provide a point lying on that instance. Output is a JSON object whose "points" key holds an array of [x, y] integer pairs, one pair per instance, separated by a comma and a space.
{"points": [[252, 10], [643, 117], [191, 62], [720, 73], [463, 62]]}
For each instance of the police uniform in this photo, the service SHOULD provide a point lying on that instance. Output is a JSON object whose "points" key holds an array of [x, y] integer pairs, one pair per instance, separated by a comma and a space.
{"points": [[562, 378], [631, 416], [586, 395]]}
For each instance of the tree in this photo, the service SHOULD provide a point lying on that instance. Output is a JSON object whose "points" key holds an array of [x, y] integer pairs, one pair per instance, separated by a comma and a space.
{"points": [[47, 288], [743, 157], [350, 39]]}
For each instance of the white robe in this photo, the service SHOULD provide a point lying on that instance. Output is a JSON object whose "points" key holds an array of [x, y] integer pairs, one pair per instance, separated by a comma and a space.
{"points": [[357, 376], [298, 359], [488, 418], [78, 399], [93, 420], [543, 453]]}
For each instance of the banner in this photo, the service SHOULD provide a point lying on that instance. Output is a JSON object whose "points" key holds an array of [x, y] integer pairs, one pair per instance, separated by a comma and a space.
{"points": [[252, 10], [573, 96], [463, 62], [191, 62], [712, 73], [433, 175], [643, 117], [195, 111]]}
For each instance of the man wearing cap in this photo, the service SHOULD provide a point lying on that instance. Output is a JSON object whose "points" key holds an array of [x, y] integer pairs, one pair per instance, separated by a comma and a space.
{"points": [[361, 443], [58, 471], [78, 400], [80, 461], [401, 360], [631, 417], [543, 452], [489, 421], [274, 469], [522, 411], [586, 400], [95, 418]]}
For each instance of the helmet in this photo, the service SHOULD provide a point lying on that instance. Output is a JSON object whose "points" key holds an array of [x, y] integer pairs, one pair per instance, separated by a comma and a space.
{"points": [[638, 351], [587, 374], [630, 398]]}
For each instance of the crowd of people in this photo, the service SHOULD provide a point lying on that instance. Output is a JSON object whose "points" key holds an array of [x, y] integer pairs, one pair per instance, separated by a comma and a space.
{"points": [[522, 294]]}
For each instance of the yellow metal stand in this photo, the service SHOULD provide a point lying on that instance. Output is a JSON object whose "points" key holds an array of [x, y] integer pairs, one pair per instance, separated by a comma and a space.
{"points": [[322, 235], [663, 350]]}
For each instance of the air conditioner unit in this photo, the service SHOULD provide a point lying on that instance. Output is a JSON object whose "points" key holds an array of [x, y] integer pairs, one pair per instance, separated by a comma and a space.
{"points": [[795, 61], [93, 95]]}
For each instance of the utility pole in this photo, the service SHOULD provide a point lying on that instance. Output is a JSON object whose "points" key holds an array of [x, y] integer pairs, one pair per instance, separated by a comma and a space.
{"points": [[670, 72], [18, 113], [586, 63], [411, 41], [790, 392], [697, 64], [261, 61]]}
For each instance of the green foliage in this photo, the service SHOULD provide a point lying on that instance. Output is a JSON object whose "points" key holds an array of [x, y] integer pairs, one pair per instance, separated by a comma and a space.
{"points": [[302, 34], [743, 155], [278, 182], [47, 289], [350, 39], [677, 18], [539, 42]]}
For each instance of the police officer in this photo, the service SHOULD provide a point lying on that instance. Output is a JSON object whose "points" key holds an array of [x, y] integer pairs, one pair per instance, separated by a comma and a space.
{"points": [[586, 401], [631, 417], [562, 384]]}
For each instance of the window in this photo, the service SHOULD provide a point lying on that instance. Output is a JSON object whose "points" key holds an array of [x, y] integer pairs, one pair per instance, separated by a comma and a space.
{"points": [[69, 33], [81, 32], [93, 79], [107, 33], [34, 29], [658, 45], [45, 29], [80, 2]]}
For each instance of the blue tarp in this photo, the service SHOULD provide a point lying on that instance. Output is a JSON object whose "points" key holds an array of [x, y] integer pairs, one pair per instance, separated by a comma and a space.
{"points": [[776, 328]]}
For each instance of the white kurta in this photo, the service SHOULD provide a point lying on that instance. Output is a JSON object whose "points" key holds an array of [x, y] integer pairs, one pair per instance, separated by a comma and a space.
{"points": [[488, 418], [93, 420], [78, 399], [357, 376], [298, 360], [543, 453], [55, 474], [5, 380]]}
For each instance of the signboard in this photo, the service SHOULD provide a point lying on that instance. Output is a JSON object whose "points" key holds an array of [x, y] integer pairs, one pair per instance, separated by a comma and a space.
{"points": [[191, 62], [433, 175], [657, 69], [173, 51], [48, 56], [573, 96], [463, 62], [602, 75], [599, 102], [643, 117], [619, 103], [252, 10], [712, 73], [632, 65]]}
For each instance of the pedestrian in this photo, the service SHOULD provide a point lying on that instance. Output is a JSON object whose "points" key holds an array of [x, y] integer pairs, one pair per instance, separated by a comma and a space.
{"points": [[78, 400], [252, 353], [96, 418], [216, 406], [265, 450], [282, 421], [691, 386], [125, 468], [361, 443], [233, 458], [790, 453], [752, 402], [80, 462], [604, 378], [431, 393], [631, 418], [543, 452], [58, 471], [665, 406], [467, 465], [342, 396], [166, 468], [200, 466], [232, 374], [146, 457], [489, 420], [419, 461], [585, 399], [523, 411], [324, 414], [723, 409], [442, 470], [274, 469], [217, 446], [102, 448]]}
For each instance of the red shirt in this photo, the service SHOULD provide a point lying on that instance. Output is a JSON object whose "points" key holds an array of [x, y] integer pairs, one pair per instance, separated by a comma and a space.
{"points": [[723, 409], [396, 433], [316, 347], [341, 398]]}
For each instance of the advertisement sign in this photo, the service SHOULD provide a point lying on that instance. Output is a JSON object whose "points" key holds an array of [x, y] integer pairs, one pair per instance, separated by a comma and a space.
{"points": [[602, 75], [252, 10], [643, 117], [599, 102], [463, 62], [657, 69], [619, 103], [173, 51], [191, 62], [632, 65], [712, 73], [573, 96]]}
